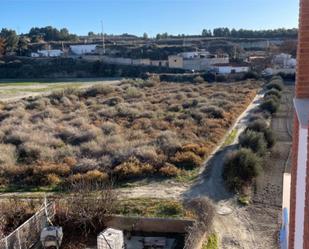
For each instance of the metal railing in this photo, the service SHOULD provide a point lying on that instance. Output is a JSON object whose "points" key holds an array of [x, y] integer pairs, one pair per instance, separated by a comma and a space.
{"points": [[28, 234]]}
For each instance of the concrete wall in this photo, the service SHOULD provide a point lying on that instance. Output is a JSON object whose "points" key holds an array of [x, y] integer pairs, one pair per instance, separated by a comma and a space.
{"points": [[145, 62], [203, 63], [231, 69], [159, 63], [175, 61], [159, 225], [83, 49]]}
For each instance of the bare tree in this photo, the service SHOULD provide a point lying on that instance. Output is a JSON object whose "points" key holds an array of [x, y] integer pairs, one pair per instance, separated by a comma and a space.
{"points": [[87, 207]]}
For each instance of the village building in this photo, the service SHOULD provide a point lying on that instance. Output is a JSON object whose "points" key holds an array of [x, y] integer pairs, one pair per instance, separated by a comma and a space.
{"points": [[83, 49], [196, 60], [47, 53]]}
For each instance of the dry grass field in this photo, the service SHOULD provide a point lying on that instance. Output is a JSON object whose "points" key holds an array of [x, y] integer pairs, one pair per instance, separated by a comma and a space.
{"points": [[134, 130]]}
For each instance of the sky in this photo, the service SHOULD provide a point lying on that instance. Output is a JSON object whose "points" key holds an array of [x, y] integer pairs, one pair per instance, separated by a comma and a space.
{"points": [[150, 16]]}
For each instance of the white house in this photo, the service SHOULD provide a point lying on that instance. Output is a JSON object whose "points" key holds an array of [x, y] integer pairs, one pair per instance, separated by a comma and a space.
{"points": [[196, 60], [284, 61], [83, 49], [47, 53], [230, 69]]}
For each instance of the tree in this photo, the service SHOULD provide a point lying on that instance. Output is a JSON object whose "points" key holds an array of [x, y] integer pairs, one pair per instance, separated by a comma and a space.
{"points": [[64, 34], [11, 39], [91, 33], [49, 33], [145, 36], [22, 45], [206, 33], [221, 32], [2, 46]]}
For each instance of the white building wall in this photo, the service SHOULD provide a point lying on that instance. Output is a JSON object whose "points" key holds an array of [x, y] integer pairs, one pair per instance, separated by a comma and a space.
{"points": [[231, 69], [83, 49], [50, 53]]}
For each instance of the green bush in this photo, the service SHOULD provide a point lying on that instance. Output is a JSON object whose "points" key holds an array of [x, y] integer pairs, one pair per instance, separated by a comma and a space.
{"points": [[274, 85], [261, 126], [269, 137], [270, 105], [257, 125], [273, 92], [253, 140], [240, 168]]}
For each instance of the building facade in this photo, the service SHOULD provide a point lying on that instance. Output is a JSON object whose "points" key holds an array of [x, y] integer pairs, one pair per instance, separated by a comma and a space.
{"points": [[83, 49], [196, 60], [299, 200]]}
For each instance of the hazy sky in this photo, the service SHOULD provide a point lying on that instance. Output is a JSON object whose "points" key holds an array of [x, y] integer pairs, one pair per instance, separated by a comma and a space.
{"points": [[151, 16]]}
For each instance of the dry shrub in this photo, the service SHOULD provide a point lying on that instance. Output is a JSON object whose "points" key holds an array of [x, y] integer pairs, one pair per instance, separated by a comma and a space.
{"points": [[17, 137], [113, 101], [92, 177], [48, 112], [85, 210], [169, 170], [109, 128], [76, 136], [14, 212], [53, 179], [98, 89], [175, 108], [70, 161], [38, 104], [86, 164], [187, 160], [31, 152], [91, 149], [197, 149], [147, 154], [213, 111], [7, 154], [133, 92], [126, 111], [133, 168], [168, 142], [44, 168]]}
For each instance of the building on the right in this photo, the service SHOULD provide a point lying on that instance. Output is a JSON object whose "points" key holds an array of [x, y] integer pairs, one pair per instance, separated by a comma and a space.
{"points": [[299, 199]]}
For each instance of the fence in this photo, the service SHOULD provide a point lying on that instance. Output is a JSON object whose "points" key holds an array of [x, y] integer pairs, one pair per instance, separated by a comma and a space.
{"points": [[28, 234]]}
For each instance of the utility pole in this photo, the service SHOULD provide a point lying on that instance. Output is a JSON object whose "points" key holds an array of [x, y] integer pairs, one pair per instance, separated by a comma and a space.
{"points": [[103, 38]]}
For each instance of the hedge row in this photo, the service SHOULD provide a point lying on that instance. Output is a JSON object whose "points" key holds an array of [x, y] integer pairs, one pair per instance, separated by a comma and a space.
{"points": [[243, 166]]}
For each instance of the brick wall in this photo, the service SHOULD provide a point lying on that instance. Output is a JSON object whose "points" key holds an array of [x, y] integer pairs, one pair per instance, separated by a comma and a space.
{"points": [[302, 87]]}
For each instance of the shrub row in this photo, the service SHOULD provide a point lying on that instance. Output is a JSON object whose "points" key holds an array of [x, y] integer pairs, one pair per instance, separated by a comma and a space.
{"points": [[243, 166], [272, 96]]}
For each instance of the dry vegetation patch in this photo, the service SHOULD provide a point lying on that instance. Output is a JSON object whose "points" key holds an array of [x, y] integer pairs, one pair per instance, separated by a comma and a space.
{"points": [[136, 129]]}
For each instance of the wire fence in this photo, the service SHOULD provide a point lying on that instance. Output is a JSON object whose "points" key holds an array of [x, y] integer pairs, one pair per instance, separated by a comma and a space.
{"points": [[28, 234]]}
